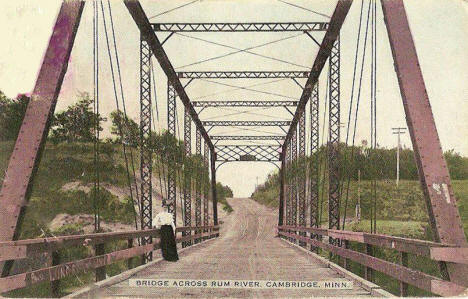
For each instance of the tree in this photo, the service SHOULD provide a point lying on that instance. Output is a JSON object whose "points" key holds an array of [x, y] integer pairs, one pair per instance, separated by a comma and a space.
{"points": [[130, 129], [11, 115], [77, 123]]}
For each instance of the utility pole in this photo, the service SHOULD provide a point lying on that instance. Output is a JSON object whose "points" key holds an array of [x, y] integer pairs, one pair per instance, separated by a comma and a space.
{"points": [[398, 131]]}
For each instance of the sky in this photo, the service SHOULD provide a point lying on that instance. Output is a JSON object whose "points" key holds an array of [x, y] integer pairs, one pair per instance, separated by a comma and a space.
{"points": [[439, 28]]}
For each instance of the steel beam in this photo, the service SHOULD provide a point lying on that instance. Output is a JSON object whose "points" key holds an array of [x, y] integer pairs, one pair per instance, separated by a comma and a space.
{"points": [[294, 182], [146, 161], [206, 155], [242, 74], [206, 104], [301, 180], [245, 123], [171, 201], [432, 167], [282, 186], [251, 137], [214, 197], [187, 175], [240, 27], [336, 21], [26, 155], [198, 183], [141, 20], [315, 159], [334, 140]]}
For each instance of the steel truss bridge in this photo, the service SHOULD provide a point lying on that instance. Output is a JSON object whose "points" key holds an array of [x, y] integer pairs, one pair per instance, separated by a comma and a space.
{"points": [[296, 225]]}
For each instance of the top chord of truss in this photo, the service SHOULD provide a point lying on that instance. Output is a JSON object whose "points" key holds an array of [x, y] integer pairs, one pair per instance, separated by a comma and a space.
{"points": [[243, 103], [240, 27], [243, 75]]}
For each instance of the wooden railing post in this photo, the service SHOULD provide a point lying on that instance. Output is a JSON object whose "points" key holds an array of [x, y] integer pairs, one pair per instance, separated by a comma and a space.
{"points": [[345, 260], [367, 270], [55, 285], [403, 285], [101, 271], [130, 260]]}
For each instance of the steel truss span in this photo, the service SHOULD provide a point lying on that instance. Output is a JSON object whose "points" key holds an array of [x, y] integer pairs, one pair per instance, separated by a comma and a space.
{"points": [[206, 104], [243, 75], [246, 123], [251, 137], [240, 27], [232, 153]]}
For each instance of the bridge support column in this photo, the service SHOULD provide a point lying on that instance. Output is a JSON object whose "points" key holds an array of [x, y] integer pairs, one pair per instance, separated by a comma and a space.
{"points": [[295, 180], [206, 188], [187, 176], [213, 188], [433, 172], [146, 161], [334, 141], [301, 180], [198, 186], [170, 202], [314, 163], [282, 186]]}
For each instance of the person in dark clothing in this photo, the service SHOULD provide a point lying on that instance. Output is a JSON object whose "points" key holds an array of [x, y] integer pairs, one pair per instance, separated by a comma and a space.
{"points": [[164, 222]]}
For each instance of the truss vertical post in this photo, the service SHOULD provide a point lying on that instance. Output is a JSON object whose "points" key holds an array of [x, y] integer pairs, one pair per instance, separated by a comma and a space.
{"points": [[198, 186], [289, 177], [282, 186], [432, 167], [295, 179], [315, 160], [334, 140], [146, 161], [187, 175], [25, 158], [206, 188], [170, 202], [301, 180], [213, 188]]}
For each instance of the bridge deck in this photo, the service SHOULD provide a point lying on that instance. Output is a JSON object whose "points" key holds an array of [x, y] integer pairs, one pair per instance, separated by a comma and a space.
{"points": [[246, 249]]}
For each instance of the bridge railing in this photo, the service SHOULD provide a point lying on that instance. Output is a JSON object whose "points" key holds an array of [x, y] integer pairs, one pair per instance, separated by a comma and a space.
{"points": [[435, 251], [32, 248]]}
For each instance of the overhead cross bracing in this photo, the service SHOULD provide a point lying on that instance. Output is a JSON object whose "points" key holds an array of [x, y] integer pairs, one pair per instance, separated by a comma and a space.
{"points": [[249, 137], [206, 104], [242, 74], [245, 123], [232, 153], [239, 27]]}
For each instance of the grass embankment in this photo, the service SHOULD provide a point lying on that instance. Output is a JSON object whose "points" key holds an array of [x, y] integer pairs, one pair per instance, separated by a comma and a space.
{"points": [[400, 212]]}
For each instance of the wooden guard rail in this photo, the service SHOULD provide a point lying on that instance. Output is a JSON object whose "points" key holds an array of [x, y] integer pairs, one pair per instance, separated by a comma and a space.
{"points": [[22, 249], [435, 251]]}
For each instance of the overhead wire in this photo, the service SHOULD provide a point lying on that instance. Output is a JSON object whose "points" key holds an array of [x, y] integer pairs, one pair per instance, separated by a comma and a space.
{"points": [[119, 124], [306, 9], [239, 50], [172, 9], [249, 89], [240, 87]]}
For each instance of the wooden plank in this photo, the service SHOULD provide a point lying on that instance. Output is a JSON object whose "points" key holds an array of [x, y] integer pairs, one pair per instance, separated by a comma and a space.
{"points": [[454, 255]]}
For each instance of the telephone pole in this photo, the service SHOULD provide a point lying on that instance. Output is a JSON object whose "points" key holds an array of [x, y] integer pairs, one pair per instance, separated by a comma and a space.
{"points": [[398, 131]]}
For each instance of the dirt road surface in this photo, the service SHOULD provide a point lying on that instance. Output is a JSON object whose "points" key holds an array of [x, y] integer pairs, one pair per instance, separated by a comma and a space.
{"points": [[246, 249]]}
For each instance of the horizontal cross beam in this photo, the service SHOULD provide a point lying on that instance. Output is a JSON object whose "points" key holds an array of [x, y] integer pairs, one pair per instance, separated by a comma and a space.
{"points": [[205, 104], [240, 27], [141, 20], [242, 74], [251, 137], [246, 123]]}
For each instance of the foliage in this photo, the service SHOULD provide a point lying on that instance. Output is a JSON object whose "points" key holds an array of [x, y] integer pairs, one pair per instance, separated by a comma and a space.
{"points": [[126, 127], [224, 192], [11, 115], [77, 123]]}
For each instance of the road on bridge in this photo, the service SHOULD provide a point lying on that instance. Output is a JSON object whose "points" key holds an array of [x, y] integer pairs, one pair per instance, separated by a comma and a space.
{"points": [[246, 249]]}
